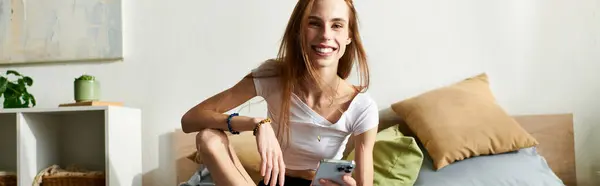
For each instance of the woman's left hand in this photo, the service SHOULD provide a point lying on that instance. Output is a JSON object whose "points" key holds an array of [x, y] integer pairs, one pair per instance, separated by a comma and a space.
{"points": [[347, 178]]}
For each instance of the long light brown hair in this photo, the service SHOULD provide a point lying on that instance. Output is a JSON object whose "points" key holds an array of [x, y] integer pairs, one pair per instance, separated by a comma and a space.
{"points": [[296, 66]]}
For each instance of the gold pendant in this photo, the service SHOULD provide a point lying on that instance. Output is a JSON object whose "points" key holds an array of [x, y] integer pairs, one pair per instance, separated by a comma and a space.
{"points": [[319, 138]]}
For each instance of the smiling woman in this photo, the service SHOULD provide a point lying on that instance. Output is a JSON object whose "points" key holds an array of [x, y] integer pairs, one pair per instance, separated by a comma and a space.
{"points": [[325, 42], [312, 112]]}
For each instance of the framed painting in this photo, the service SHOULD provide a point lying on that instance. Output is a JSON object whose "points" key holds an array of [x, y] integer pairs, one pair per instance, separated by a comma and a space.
{"points": [[38, 31]]}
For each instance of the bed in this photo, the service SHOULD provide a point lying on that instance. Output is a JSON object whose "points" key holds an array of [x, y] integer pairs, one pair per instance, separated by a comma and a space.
{"points": [[553, 131]]}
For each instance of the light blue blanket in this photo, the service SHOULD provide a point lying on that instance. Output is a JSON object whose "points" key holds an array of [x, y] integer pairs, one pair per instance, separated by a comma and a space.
{"points": [[200, 178]]}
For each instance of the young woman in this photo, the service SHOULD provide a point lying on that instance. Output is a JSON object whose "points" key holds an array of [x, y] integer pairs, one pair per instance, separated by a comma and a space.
{"points": [[312, 109]]}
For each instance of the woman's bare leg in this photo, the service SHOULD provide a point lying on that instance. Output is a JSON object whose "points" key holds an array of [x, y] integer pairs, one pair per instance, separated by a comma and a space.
{"points": [[220, 158]]}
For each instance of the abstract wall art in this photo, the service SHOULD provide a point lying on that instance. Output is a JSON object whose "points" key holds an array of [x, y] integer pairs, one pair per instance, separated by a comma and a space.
{"points": [[34, 31]]}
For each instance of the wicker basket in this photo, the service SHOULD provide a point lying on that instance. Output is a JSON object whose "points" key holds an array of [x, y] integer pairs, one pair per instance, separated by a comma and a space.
{"points": [[73, 180], [8, 180], [71, 176]]}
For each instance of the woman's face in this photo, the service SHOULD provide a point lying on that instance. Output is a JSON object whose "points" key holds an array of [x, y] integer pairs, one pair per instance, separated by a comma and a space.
{"points": [[327, 33]]}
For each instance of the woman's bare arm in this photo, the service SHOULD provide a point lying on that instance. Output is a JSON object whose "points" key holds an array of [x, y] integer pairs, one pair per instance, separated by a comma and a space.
{"points": [[364, 157], [209, 113]]}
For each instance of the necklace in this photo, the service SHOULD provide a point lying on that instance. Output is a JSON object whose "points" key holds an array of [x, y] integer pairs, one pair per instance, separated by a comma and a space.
{"points": [[315, 112], [319, 127], [314, 122]]}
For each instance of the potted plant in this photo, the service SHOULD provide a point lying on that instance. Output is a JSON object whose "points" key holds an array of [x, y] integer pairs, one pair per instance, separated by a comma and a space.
{"points": [[14, 90], [87, 88]]}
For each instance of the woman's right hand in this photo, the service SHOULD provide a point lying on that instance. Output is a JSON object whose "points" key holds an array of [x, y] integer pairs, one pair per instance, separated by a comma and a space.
{"points": [[272, 165]]}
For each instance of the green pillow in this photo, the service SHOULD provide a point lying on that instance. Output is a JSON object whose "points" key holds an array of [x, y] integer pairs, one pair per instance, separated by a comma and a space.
{"points": [[397, 158]]}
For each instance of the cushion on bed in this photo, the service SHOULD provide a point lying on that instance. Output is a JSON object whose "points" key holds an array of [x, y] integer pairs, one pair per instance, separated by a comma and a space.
{"points": [[462, 120], [524, 167], [396, 158]]}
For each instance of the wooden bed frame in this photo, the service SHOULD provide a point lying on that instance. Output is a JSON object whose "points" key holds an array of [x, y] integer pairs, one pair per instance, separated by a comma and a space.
{"points": [[553, 131]]}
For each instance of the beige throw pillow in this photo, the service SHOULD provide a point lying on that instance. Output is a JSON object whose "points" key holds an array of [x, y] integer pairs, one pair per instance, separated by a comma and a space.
{"points": [[461, 121]]}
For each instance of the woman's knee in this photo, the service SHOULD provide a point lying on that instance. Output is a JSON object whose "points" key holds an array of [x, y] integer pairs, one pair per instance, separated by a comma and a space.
{"points": [[210, 139]]}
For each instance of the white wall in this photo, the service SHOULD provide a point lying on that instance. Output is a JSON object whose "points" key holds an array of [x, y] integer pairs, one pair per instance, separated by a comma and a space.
{"points": [[541, 56]]}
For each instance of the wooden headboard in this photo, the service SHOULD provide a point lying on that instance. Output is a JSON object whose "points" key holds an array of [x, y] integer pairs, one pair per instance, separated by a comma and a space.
{"points": [[184, 145], [553, 131], [557, 143]]}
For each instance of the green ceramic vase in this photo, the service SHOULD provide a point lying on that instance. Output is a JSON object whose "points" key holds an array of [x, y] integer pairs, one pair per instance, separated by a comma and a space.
{"points": [[87, 90]]}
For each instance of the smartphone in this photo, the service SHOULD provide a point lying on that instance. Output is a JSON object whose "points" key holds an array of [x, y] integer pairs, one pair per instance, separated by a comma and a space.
{"points": [[333, 170]]}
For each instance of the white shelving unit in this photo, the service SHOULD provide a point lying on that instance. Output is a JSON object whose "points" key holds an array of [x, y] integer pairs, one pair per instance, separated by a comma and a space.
{"points": [[99, 138]]}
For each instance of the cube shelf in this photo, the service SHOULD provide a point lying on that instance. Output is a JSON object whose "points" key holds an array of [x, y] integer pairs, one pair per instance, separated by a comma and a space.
{"points": [[94, 138], [8, 142]]}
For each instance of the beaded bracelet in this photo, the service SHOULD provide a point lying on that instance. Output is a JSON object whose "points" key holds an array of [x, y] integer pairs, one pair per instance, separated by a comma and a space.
{"points": [[229, 123], [268, 120]]}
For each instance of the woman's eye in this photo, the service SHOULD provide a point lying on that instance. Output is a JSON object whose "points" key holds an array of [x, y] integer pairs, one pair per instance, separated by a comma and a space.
{"points": [[338, 26], [314, 23]]}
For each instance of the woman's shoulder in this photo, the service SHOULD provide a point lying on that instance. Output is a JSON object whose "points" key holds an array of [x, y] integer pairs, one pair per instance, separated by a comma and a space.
{"points": [[364, 101], [365, 113], [266, 78], [268, 68]]}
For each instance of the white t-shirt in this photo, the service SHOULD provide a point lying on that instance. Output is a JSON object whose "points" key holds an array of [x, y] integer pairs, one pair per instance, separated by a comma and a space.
{"points": [[304, 150]]}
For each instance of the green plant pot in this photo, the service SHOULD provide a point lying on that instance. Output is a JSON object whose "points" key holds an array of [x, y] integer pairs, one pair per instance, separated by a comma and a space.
{"points": [[87, 90]]}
